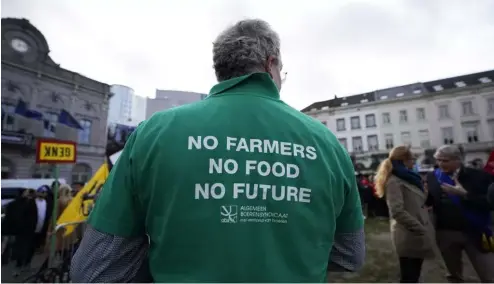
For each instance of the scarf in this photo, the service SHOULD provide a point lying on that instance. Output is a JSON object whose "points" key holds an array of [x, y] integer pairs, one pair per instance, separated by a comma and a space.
{"points": [[480, 222], [400, 171]]}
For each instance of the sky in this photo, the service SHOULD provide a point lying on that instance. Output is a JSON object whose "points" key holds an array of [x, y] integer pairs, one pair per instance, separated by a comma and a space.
{"points": [[337, 47]]}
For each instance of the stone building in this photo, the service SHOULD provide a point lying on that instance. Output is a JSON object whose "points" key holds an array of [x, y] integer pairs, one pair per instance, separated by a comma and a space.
{"points": [[457, 110], [30, 76]]}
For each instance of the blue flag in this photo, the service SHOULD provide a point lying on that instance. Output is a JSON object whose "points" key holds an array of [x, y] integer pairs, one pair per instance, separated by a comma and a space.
{"points": [[21, 109], [65, 118]]}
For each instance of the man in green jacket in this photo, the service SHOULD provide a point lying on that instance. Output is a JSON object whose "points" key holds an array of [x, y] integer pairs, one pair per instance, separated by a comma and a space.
{"points": [[239, 187]]}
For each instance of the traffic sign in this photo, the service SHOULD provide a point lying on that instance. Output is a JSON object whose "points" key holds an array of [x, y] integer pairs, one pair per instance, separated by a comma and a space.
{"points": [[54, 151]]}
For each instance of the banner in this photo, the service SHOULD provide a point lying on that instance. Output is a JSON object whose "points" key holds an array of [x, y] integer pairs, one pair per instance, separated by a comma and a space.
{"points": [[80, 206], [489, 166]]}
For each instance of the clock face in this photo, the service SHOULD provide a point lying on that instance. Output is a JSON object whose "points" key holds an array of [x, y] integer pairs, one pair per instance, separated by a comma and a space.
{"points": [[19, 45]]}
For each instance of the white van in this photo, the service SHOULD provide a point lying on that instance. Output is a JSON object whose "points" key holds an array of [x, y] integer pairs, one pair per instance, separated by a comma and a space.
{"points": [[12, 188]]}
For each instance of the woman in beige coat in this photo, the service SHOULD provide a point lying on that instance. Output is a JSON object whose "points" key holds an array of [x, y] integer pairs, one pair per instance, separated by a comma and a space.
{"points": [[411, 229]]}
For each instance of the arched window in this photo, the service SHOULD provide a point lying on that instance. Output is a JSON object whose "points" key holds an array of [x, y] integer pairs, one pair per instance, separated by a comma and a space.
{"points": [[81, 173], [7, 168], [43, 171]]}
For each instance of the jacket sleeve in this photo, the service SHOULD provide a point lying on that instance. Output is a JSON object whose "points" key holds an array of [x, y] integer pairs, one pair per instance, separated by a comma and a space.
{"points": [[104, 258], [480, 200], [394, 198]]}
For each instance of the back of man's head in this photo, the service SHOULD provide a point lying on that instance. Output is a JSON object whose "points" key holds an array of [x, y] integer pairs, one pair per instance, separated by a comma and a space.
{"points": [[245, 48]]}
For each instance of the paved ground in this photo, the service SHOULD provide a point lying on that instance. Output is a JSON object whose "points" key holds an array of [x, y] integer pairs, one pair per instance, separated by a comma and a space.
{"points": [[8, 270]]}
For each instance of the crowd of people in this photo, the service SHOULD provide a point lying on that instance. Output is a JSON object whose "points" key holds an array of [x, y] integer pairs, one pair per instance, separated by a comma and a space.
{"points": [[372, 205], [28, 223], [163, 213], [165, 216], [447, 210]]}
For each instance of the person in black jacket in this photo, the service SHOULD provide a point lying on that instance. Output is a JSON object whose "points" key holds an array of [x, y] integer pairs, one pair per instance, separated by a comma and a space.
{"points": [[490, 196], [459, 198], [23, 208]]}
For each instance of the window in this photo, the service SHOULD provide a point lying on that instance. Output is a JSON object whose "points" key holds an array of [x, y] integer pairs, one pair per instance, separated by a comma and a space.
{"points": [[355, 121], [85, 132], [467, 108], [357, 144], [42, 171], [438, 88], [343, 143], [8, 117], [340, 124], [372, 143], [447, 133], [81, 173], [403, 116], [424, 139], [388, 140], [460, 84], [420, 113], [485, 80], [406, 138], [443, 111], [386, 118], [50, 124], [471, 132], [490, 105], [370, 120]]}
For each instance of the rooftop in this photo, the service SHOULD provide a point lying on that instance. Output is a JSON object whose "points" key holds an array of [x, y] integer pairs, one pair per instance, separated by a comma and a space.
{"points": [[406, 91]]}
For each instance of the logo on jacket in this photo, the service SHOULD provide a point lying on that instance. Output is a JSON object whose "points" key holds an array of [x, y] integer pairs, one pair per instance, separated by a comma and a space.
{"points": [[229, 214]]}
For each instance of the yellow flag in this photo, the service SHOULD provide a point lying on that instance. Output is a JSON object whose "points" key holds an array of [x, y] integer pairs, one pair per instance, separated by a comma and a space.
{"points": [[78, 209]]}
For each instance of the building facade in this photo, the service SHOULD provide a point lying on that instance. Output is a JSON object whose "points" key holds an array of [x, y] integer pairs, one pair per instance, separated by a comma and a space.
{"points": [[169, 99], [125, 106], [30, 78], [458, 110]]}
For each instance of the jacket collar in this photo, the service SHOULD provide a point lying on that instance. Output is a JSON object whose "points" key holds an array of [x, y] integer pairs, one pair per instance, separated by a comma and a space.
{"points": [[258, 84], [410, 186]]}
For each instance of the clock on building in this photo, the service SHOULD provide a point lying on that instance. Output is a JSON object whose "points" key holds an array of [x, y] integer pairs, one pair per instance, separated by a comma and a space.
{"points": [[19, 45]]}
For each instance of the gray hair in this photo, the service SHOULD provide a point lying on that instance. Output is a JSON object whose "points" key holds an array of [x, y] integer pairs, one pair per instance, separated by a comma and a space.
{"points": [[244, 48], [450, 151]]}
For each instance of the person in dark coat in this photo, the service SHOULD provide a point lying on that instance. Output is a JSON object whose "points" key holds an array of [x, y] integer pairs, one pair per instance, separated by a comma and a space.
{"points": [[459, 198], [490, 196], [23, 208]]}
